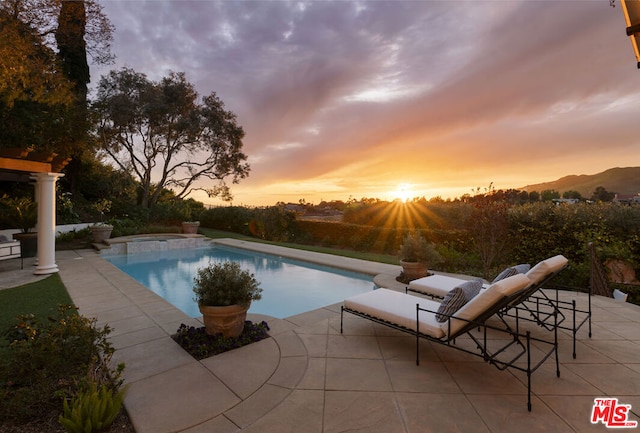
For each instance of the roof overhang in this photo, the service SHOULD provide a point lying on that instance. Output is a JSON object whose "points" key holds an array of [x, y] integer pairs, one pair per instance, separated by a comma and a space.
{"points": [[631, 10], [17, 164]]}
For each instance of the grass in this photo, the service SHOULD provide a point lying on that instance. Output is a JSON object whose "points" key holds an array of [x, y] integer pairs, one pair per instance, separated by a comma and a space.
{"points": [[40, 298], [372, 257]]}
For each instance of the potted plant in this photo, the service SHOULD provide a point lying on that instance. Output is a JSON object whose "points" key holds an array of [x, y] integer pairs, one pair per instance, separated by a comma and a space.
{"points": [[224, 292], [190, 227], [101, 231], [416, 255], [22, 211]]}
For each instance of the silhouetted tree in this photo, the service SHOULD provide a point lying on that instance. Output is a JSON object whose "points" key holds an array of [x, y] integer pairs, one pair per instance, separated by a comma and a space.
{"points": [[572, 194], [549, 194], [601, 194], [159, 134]]}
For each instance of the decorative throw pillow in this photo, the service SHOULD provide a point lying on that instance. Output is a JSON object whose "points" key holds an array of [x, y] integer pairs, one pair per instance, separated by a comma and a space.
{"points": [[511, 271], [471, 288], [523, 268], [453, 301]]}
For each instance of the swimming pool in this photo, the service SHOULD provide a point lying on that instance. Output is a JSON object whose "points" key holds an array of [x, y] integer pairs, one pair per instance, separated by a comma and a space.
{"points": [[289, 286]]}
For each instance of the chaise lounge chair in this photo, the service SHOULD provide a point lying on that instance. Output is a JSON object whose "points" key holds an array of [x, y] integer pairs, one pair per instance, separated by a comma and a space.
{"points": [[419, 316], [437, 286]]}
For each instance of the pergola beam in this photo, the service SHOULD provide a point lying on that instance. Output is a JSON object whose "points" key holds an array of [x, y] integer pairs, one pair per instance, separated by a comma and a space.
{"points": [[24, 165]]}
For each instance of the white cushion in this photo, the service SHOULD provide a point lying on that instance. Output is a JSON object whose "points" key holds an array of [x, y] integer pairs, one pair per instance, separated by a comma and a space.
{"points": [[436, 285], [484, 300], [557, 262], [546, 267], [398, 308]]}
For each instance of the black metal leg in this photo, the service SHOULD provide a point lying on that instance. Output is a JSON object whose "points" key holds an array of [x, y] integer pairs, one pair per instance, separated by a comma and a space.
{"points": [[528, 371]]}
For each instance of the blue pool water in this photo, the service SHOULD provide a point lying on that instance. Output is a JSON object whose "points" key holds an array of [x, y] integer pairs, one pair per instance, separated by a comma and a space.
{"points": [[289, 286]]}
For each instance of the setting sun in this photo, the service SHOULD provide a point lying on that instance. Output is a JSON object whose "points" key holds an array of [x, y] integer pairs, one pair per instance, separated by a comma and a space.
{"points": [[403, 192]]}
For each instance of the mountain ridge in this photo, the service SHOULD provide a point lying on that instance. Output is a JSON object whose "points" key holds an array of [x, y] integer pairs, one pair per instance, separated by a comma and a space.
{"points": [[621, 180]]}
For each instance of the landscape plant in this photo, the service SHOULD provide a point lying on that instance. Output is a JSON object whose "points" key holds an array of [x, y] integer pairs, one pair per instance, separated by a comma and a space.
{"points": [[225, 283], [201, 345], [415, 248], [52, 358], [20, 212], [92, 409]]}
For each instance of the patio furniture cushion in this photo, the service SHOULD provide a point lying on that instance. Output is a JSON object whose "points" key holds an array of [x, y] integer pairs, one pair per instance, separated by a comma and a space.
{"points": [[437, 285], [455, 299], [546, 267], [485, 300], [397, 308]]}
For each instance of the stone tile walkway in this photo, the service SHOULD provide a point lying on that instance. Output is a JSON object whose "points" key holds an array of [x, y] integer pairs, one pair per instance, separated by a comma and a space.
{"points": [[311, 378]]}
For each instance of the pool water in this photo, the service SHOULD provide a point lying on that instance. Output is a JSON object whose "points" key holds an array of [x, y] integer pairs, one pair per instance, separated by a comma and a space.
{"points": [[289, 286]]}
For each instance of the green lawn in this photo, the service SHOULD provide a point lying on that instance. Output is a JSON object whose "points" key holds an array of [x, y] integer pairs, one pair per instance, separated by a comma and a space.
{"points": [[40, 298], [381, 258]]}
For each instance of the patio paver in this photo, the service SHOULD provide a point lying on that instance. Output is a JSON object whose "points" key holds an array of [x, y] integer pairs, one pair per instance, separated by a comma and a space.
{"points": [[311, 378]]}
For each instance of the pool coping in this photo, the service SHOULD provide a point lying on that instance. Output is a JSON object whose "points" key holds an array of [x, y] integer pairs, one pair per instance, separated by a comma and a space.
{"points": [[143, 322], [309, 377]]}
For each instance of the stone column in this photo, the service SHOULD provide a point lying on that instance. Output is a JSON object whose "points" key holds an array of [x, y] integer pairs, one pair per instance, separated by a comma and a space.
{"points": [[46, 198]]}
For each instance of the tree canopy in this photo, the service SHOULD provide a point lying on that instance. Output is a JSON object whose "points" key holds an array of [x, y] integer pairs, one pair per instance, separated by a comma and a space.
{"points": [[160, 134], [27, 67], [43, 17], [44, 71]]}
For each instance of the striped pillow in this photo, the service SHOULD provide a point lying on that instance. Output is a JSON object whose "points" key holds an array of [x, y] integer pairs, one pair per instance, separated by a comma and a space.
{"points": [[511, 271], [453, 301], [471, 288]]}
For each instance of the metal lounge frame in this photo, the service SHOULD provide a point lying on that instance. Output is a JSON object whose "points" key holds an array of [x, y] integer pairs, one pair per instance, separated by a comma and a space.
{"points": [[539, 305], [548, 312], [522, 341]]}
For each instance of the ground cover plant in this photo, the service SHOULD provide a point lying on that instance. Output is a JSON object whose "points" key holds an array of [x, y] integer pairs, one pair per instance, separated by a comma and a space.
{"points": [[49, 354], [200, 345]]}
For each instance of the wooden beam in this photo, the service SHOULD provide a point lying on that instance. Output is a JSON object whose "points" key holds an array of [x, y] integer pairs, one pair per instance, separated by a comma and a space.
{"points": [[24, 165], [59, 163], [15, 152]]}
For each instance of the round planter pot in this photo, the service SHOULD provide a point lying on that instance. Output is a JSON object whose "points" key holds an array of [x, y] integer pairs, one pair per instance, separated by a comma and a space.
{"points": [[190, 227], [228, 321], [28, 244], [100, 233], [414, 270]]}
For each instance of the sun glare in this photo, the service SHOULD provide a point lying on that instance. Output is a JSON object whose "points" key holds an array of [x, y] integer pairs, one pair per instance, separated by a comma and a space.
{"points": [[403, 192]]}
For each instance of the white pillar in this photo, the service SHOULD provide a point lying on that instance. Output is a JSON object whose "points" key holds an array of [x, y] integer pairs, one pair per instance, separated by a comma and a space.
{"points": [[46, 197]]}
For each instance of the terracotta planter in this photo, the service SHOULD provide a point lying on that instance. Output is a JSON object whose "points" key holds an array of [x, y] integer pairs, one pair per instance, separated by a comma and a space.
{"points": [[228, 321], [100, 233], [414, 270], [190, 227]]}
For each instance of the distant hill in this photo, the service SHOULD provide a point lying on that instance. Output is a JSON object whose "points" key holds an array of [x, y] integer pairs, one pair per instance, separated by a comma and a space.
{"points": [[624, 180]]}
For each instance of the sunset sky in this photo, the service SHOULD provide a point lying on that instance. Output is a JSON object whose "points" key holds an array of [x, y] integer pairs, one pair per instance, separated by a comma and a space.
{"points": [[353, 99]]}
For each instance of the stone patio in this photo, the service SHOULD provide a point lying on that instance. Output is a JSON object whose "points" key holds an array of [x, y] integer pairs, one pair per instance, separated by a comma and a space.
{"points": [[311, 378]]}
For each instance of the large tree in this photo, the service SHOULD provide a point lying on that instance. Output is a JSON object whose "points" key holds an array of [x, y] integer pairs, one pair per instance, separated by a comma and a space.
{"points": [[34, 94], [72, 48], [160, 134], [44, 71]]}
